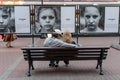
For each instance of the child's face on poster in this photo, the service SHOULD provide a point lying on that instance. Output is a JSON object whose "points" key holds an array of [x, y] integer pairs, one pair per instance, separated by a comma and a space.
{"points": [[4, 17], [47, 19], [92, 17]]}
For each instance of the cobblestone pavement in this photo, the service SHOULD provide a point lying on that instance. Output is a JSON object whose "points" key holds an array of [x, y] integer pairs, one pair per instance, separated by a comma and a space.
{"points": [[14, 67]]}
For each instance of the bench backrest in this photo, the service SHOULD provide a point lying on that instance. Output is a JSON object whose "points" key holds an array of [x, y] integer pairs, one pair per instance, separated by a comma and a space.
{"points": [[62, 53]]}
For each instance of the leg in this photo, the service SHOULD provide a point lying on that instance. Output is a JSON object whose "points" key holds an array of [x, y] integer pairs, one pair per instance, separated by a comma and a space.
{"points": [[66, 62], [51, 64], [56, 63], [10, 44], [7, 44]]}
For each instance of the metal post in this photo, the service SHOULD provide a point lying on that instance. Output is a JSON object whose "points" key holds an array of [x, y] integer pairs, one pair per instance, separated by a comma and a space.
{"points": [[77, 22], [42, 2], [31, 8], [77, 33], [119, 33]]}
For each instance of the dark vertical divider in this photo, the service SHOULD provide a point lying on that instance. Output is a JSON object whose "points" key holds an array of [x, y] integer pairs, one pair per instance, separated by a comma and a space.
{"points": [[33, 24], [119, 33], [32, 9], [77, 22]]}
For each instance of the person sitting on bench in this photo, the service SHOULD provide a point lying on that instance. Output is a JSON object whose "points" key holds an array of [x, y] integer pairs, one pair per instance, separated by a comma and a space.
{"points": [[56, 41]]}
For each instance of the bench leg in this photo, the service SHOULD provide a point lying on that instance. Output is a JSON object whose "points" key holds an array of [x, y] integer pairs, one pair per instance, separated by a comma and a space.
{"points": [[97, 64], [29, 68], [32, 66], [29, 74], [101, 71]]}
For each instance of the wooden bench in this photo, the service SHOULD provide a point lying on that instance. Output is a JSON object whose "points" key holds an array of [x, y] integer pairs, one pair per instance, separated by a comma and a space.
{"points": [[98, 53]]}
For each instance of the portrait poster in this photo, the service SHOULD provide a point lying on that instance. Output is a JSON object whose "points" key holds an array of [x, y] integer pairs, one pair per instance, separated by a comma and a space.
{"points": [[111, 19], [92, 19], [7, 19], [22, 19], [47, 19], [68, 18]]}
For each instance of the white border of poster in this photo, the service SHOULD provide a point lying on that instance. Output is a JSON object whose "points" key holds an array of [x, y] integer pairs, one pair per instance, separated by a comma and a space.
{"points": [[68, 18], [111, 19], [22, 19]]}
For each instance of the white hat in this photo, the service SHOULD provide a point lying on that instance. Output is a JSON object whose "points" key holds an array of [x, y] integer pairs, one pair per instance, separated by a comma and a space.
{"points": [[58, 31]]}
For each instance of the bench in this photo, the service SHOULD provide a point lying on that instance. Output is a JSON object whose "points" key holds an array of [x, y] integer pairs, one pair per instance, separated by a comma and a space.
{"points": [[98, 53]]}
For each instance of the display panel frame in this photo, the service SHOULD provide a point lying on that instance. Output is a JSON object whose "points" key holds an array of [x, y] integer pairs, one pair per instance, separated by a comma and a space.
{"points": [[58, 21], [104, 33], [92, 19]]}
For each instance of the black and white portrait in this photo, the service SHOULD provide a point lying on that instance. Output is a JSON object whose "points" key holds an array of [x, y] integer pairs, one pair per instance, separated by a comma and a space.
{"points": [[7, 20], [47, 19], [92, 19]]}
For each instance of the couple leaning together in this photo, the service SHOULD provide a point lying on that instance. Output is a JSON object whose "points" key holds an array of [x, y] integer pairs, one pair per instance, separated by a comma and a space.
{"points": [[59, 40]]}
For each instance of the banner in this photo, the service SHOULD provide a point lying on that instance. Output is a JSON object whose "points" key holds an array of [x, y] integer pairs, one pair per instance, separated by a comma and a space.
{"points": [[111, 19], [22, 19], [68, 18]]}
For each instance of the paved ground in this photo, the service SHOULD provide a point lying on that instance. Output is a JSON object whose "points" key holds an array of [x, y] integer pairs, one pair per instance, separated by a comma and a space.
{"points": [[13, 66]]}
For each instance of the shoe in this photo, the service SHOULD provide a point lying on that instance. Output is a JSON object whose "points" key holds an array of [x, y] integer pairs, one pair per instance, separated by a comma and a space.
{"points": [[66, 65], [51, 65], [56, 65], [7, 45], [10, 46]]}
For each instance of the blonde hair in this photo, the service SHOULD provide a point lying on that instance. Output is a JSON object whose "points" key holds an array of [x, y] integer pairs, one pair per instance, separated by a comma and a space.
{"points": [[67, 37]]}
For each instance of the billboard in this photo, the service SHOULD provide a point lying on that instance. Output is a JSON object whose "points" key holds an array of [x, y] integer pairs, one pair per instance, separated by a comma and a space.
{"points": [[49, 18], [14, 19], [111, 19], [92, 19], [99, 19], [68, 18]]}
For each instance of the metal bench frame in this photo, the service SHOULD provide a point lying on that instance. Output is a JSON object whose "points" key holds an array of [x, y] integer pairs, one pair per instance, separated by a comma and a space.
{"points": [[98, 53]]}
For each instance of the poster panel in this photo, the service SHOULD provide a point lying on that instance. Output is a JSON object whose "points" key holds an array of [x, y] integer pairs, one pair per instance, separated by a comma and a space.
{"points": [[111, 19], [92, 19], [22, 19], [47, 19], [68, 18], [7, 19]]}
